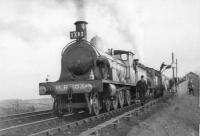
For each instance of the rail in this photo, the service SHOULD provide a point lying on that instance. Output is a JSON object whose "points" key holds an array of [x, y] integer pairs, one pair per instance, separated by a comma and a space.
{"points": [[25, 119], [22, 115], [83, 122], [114, 121], [24, 128]]}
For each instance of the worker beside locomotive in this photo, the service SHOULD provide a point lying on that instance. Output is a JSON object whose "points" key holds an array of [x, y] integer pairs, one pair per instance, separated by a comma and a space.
{"points": [[142, 88], [93, 80]]}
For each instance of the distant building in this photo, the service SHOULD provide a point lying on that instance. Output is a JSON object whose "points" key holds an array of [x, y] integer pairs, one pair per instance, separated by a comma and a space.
{"points": [[195, 80]]}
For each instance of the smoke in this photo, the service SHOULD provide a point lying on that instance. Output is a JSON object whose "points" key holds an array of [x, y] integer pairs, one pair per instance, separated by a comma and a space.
{"points": [[33, 34], [79, 6], [117, 22], [123, 27], [80, 9]]}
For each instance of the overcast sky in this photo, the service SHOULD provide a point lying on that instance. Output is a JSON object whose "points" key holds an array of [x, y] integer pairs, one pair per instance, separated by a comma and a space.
{"points": [[34, 32]]}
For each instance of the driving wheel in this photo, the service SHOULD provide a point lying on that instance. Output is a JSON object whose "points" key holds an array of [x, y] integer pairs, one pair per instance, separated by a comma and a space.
{"points": [[121, 98], [128, 97], [95, 103], [107, 104], [115, 103]]}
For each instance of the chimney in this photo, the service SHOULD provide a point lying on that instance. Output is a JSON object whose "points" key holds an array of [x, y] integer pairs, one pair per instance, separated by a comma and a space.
{"points": [[81, 27]]}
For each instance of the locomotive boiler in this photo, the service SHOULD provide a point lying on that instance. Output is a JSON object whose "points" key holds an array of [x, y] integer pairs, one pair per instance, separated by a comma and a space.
{"points": [[91, 79]]}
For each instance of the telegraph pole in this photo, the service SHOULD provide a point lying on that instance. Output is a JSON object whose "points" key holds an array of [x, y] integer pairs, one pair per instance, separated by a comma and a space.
{"points": [[173, 72], [173, 65], [177, 69], [177, 80]]}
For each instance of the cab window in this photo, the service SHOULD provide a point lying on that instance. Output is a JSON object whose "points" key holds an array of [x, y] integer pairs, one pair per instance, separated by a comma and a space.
{"points": [[124, 56]]}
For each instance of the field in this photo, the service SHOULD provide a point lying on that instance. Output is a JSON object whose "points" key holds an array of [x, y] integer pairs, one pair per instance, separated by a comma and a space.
{"points": [[20, 106]]}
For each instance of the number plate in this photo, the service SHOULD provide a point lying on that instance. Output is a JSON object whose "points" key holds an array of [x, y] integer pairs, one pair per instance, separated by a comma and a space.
{"points": [[75, 87], [76, 35]]}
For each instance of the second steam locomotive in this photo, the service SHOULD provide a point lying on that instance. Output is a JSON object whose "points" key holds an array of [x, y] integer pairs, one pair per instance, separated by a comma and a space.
{"points": [[94, 80]]}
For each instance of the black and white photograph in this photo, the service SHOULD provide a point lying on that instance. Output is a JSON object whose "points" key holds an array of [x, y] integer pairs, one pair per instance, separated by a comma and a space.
{"points": [[99, 67]]}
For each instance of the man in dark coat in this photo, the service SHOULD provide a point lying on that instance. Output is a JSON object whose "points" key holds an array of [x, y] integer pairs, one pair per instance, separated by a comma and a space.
{"points": [[190, 87], [142, 88]]}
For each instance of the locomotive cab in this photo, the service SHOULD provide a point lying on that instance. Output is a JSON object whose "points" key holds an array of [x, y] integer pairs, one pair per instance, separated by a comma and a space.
{"points": [[128, 58]]}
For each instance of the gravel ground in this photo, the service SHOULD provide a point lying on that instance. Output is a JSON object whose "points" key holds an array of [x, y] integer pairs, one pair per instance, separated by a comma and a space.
{"points": [[179, 116]]}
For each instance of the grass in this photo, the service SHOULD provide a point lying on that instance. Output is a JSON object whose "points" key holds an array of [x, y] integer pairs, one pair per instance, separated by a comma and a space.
{"points": [[17, 106]]}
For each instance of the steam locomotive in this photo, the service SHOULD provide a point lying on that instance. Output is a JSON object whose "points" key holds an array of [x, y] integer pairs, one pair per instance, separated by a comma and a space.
{"points": [[94, 80]]}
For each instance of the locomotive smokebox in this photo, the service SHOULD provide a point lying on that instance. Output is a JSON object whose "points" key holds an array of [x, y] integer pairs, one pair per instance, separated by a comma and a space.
{"points": [[81, 30]]}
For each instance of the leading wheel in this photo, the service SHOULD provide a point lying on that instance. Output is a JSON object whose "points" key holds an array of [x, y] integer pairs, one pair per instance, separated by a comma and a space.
{"points": [[70, 110], [128, 97], [107, 104], [121, 98], [115, 103], [95, 103], [57, 107]]}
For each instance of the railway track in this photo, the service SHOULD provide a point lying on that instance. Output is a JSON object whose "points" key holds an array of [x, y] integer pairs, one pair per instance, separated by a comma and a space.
{"points": [[85, 122], [18, 119], [73, 124], [105, 117], [36, 126], [79, 126], [14, 116], [96, 129]]}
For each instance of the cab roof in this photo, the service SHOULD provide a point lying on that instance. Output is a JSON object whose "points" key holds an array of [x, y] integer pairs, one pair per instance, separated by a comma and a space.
{"points": [[122, 52]]}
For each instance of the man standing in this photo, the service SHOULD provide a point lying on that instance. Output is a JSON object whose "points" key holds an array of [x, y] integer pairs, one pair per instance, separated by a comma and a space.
{"points": [[190, 87], [142, 88]]}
